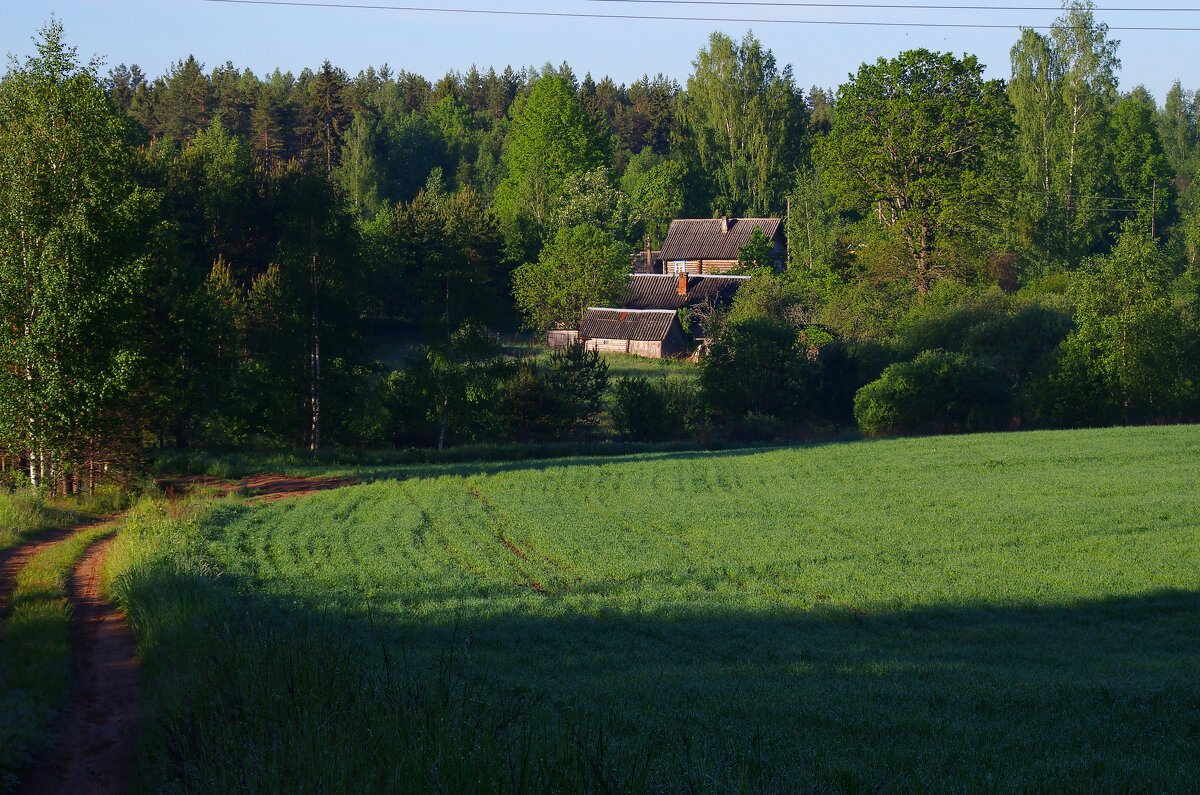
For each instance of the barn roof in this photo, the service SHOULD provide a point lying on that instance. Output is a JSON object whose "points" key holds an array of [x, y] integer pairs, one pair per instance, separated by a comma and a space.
{"points": [[627, 324], [703, 238], [661, 291]]}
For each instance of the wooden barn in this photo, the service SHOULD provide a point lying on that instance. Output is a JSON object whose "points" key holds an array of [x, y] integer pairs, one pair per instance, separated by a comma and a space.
{"points": [[711, 245], [653, 333]]}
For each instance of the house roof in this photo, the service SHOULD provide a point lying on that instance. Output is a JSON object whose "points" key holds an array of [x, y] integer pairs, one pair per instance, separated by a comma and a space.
{"points": [[661, 291], [627, 324], [703, 238]]}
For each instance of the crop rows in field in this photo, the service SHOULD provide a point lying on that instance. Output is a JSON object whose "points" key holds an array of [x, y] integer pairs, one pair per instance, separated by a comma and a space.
{"points": [[957, 609]]}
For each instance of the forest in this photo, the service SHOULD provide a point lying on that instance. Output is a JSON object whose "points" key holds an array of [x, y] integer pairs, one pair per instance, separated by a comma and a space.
{"points": [[209, 258]]}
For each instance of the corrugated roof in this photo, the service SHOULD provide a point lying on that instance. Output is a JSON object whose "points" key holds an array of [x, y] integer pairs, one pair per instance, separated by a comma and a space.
{"points": [[661, 291], [702, 238], [627, 324]]}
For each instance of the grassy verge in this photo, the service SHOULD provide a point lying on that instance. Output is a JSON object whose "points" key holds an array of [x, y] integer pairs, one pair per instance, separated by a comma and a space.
{"points": [[1000, 612], [26, 513], [35, 658]]}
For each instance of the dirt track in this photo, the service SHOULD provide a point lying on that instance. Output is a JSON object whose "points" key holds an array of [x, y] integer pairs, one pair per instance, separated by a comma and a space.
{"points": [[14, 559], [94, 742], [93, 747]]}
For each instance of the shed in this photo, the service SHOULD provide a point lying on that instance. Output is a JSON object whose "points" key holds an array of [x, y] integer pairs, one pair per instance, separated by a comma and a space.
{"points": [[711, 245], [653, 333]]}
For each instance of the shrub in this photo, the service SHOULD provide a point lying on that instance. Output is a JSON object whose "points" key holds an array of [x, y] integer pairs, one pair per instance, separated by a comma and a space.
{"points": [[758, 365], [639, 411], [655, 410], [578, 378], [561, 400], [938, 392]]}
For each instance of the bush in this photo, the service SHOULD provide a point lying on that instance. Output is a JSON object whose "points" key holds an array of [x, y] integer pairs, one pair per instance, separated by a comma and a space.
{"points": [[578, 379], [759, 365], [938, 392], [562, 400], [655, 410], [639, 411]]}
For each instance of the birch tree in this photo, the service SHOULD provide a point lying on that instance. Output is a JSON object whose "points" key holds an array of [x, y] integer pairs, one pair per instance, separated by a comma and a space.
{"points": [[743, 122], [1063, 90], [72, 234]]}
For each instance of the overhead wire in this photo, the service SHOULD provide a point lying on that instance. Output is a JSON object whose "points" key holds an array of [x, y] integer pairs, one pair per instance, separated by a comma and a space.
{"points": [[677, 18], [885, 6]]}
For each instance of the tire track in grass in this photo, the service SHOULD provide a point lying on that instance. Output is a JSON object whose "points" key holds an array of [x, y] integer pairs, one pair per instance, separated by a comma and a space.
{"points": [[13, 559], [428, 527], [546, 567], [52, 585], [94, 745]]}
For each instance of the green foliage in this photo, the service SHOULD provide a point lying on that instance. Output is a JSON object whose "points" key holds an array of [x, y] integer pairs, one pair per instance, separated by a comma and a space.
{"points": [[744, 122], [759, 365], [918, 149], [937, 392], [647, 409], [551, 139], [1062, 92], [782, 297], [73, 264], [578, 378], [656, 187], [814, 227], [591, 199], [581, 267], [1128, 359], [758, 254], [1143, 175]]}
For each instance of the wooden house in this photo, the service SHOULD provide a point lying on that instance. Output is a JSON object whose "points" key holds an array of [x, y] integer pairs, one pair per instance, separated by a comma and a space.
{"points": [[675, 291], [711, 245], [653, 333]]}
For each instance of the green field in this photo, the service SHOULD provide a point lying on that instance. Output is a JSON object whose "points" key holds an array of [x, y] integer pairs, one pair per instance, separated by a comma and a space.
{"points": [[1001, 612]]}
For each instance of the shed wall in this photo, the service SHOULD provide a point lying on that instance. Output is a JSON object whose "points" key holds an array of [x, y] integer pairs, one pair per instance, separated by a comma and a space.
{"points": [[651, 349], [561, 338]]}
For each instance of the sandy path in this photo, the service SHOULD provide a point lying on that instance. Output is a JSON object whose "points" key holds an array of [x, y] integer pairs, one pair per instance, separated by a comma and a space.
{"points": [[93, 747]]}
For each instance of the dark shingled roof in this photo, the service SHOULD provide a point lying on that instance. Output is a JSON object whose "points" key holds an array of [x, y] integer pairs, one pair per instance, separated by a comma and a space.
{"points": [[702, 238], [626, 324], [661, 291]]}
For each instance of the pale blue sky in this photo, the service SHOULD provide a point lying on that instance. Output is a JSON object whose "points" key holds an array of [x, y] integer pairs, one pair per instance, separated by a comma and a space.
{"points": [[153, 34]]}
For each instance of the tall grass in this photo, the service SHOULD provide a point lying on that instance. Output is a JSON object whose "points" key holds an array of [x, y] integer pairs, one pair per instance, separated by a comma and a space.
{"points": [[1000, 612], [26, 512], [35, 656]]}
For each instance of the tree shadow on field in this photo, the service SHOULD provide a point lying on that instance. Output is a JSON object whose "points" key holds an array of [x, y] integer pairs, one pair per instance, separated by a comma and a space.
{"points": [[468, 469], [1093, 696]]}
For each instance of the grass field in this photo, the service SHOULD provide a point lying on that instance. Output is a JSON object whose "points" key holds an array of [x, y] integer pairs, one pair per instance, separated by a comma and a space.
{"points": [[1000, 612]]}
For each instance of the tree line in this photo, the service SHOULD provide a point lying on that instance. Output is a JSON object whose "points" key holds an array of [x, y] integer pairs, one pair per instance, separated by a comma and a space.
{"points": [[203, 258]]}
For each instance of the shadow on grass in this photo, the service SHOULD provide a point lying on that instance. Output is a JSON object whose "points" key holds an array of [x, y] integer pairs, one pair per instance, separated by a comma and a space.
{"points": [[255, 690]]}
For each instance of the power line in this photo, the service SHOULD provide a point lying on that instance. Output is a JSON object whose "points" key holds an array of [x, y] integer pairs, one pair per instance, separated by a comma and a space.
{"points": [[675, 18], [900, 6]]}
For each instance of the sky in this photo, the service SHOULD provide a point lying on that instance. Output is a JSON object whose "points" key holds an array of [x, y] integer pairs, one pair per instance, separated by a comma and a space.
{"points": [[156, 33]]}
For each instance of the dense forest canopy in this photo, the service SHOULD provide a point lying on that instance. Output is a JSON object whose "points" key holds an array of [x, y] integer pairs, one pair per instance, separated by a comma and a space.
{"points": [[199, 257]]}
